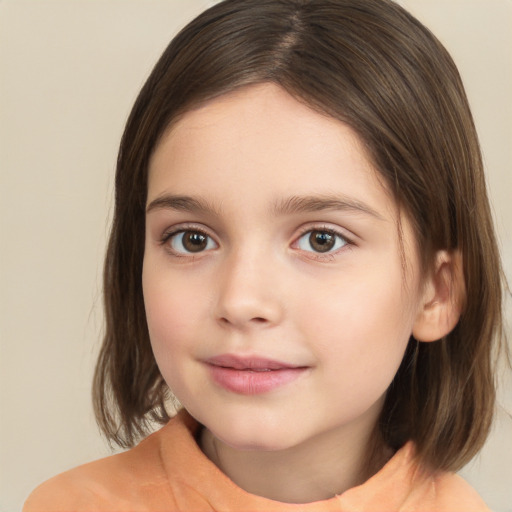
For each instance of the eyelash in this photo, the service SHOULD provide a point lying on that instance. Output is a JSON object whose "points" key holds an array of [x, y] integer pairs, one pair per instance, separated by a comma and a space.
{"points": [[316, 255]]}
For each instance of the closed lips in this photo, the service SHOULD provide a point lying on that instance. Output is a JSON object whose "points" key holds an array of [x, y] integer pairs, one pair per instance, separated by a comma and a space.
{"points": [[249, 363], [251, 376]]}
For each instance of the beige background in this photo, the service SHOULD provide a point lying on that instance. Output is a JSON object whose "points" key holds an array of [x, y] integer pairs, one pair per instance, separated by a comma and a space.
{"points": [[69, 72]]}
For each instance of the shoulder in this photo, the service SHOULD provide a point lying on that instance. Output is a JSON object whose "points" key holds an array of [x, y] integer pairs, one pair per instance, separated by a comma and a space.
{"points": [[403, 484], [122, 481], [452, 492], [442, 491]]}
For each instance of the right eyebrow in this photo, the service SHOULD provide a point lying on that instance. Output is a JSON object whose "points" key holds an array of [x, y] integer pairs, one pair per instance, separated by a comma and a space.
{"points": [[181, 204]]}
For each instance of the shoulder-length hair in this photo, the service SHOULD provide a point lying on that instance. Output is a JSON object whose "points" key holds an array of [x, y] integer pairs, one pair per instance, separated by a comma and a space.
{"points": [[371, 65]]}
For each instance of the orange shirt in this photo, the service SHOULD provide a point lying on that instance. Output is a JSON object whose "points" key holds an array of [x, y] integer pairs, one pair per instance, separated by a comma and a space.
{"points": [[168, 472]]}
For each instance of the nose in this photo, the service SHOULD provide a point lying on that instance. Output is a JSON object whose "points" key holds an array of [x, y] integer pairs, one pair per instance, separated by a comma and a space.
{"points": [[248, 295]]}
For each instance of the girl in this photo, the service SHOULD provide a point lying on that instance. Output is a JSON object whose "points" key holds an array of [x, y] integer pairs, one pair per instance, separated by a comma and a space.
{"points": [[302, 253]]}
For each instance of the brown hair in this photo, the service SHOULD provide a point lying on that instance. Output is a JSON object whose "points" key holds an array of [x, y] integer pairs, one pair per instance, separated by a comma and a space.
{"points": [[373, 66]]}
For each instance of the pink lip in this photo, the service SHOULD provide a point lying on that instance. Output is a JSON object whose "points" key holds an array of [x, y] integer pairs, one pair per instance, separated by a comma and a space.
{"points": [[251, 375]]}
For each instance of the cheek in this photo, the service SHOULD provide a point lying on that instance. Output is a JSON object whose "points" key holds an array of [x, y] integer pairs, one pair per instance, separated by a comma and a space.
{"points": [[175, 316], [167, 315], [362, 326], [173, 312]]}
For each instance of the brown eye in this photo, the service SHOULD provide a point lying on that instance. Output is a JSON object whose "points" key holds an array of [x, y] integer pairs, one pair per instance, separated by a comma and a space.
{"points": [[190, 241], [321, 241], [194, 241]]}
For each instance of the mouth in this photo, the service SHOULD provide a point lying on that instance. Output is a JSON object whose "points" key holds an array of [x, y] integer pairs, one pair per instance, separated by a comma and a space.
{"points": [[251, 375]]}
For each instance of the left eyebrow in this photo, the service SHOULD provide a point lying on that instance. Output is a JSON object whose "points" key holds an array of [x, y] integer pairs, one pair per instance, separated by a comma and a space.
{"points": [[304, 204]]}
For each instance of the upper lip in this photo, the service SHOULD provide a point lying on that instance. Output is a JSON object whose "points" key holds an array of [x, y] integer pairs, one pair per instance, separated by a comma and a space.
{"points": [[237, 362]]}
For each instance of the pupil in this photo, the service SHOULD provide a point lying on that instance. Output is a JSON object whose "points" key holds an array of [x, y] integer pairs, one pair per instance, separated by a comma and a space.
{"points": [[321, 241], [194, 242]]}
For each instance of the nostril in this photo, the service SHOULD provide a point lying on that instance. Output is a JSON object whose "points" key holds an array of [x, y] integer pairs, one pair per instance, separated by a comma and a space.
{"points": [[255, 320]]}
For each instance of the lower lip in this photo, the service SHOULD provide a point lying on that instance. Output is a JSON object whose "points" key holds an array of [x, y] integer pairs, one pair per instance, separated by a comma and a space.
{"points": [[248, 382]]}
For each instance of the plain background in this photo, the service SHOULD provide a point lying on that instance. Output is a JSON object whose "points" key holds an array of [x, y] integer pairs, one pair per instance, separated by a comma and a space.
{"points": [[69, 73]]}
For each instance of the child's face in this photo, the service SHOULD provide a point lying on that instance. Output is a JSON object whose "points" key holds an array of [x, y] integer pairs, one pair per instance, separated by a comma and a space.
{"points": [[279, 309]]}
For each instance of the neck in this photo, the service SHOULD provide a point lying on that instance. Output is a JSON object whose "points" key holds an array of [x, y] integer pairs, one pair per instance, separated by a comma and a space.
{"points": [[318, 469]]}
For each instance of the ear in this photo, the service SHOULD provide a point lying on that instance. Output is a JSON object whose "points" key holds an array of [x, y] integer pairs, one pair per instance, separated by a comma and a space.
{"points": [[443, 298]]}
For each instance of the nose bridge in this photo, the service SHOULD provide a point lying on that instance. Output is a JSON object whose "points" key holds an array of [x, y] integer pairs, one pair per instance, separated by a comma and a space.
{"points": [[248, 293]]}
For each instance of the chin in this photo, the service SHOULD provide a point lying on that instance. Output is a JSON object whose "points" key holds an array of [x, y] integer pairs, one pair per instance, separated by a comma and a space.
{"points": [[250, 428]]}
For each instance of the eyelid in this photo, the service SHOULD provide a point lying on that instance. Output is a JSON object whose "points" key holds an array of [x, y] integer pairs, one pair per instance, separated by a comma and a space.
{"points": [[185, 226], [325, 226]]}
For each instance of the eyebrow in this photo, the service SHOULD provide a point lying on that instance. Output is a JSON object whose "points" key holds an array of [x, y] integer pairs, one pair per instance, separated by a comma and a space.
{"points": [[316, 203], [288, 206], [182, 204]]}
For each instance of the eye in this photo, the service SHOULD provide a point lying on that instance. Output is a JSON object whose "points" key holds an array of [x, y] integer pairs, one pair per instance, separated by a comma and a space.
{"points": [[321, 241], [190, 241]]}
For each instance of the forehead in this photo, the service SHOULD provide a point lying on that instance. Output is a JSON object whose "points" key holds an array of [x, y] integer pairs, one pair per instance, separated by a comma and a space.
{"points": [[261, 138]]}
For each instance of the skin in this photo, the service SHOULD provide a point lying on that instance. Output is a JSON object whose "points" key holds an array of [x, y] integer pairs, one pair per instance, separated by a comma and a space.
{"points": [[260, 289]]}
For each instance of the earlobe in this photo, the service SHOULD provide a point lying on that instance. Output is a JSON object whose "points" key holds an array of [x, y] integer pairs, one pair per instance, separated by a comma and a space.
{"points": [[443, 298]]}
